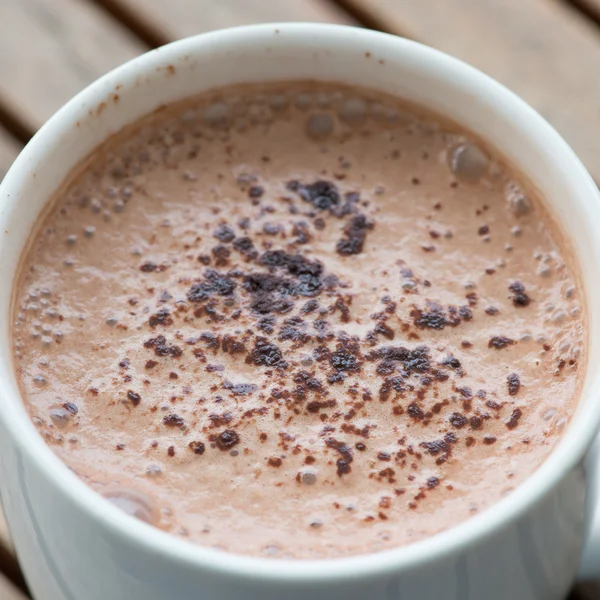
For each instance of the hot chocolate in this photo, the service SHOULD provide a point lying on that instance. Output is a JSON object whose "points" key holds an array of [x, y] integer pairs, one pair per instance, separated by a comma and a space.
{"points": [[299, 320]]}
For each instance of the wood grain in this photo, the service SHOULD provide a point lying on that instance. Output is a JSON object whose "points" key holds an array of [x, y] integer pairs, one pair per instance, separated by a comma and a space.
{"points": [[162, 21], [51, 49], [544, 50]]}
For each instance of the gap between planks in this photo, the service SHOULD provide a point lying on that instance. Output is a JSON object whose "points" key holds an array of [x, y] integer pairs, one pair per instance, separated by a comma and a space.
{"points": [[590, 8], [8, 591]]}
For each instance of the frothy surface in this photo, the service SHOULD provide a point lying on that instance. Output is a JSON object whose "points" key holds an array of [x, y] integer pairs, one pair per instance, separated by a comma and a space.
{"points": [[298, 321]]}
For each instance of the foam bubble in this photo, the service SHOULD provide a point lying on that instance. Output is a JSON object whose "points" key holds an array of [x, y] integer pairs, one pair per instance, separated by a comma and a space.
{"points": [[468, 162], [60, 416], [353, 111], [153, 471], [308, 476], [278, 102], [303, 101], [518, 202], [40, 381], [560, 424], [271, 550], [544, 271], [217, 115], [306, 361], [323, 99], [189, 115], [319, 126], [135, 504]]}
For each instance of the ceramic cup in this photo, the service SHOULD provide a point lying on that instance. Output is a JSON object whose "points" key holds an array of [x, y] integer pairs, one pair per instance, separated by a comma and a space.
{"points": [[73, 545]]}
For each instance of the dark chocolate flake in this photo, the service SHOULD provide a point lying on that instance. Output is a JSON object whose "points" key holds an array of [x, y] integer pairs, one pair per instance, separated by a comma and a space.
{"points": [[344, 360], [514, 418], [197, 447], [520, 298], [173, 420], [266, 354], [162, 317], [355, 236], [224, 233], [256, 191], [434, 317], [227, 439], [161, 348], [499, 341], [151, 267], [514, 384], [346, 456], [214, 284], [450, 361], [323, 195], [71, 407], [134, 397], [457, 420], [244, 245], [240, 389], [433, 482]]}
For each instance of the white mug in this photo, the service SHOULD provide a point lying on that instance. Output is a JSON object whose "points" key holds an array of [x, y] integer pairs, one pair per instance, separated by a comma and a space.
{"points": [[73, 545]]}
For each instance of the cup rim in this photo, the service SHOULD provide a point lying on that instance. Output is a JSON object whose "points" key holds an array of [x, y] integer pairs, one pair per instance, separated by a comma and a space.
{"points": [[565, 456]]}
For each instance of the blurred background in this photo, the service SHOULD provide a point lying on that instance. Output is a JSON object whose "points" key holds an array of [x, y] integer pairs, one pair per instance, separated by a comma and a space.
{"points": [[547, 51]]}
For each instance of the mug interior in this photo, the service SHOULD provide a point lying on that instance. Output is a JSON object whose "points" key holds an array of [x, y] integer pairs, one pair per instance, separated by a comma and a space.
{"points": [[284, 52]]}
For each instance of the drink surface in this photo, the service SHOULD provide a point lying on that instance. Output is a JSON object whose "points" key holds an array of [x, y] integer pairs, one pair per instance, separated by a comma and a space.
{"points": [[299, 321]]}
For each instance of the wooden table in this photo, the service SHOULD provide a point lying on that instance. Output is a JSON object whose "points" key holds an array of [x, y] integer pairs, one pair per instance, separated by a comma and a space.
{"points": [[548, 51]]}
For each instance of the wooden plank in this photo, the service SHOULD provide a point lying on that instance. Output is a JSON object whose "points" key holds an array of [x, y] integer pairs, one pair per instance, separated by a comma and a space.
{"points": [[544, 50], [51, 49], [162, 20], [8, 591]]}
